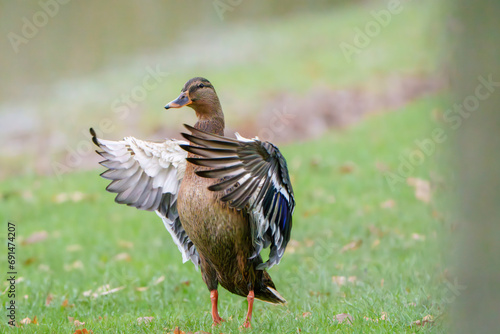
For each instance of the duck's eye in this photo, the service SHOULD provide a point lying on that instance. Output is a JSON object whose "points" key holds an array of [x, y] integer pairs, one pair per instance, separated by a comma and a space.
{"points": [[201, 85]]}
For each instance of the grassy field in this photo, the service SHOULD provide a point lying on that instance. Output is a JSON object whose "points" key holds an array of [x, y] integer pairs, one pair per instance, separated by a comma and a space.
{"points": [[353, 250]]}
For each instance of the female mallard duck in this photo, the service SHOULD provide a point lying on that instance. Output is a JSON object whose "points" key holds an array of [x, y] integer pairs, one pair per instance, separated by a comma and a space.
{"points": [[233, 199]]}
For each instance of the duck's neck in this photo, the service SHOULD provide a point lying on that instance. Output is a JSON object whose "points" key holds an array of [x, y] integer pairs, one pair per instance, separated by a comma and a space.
{"points": [[212, 121]]}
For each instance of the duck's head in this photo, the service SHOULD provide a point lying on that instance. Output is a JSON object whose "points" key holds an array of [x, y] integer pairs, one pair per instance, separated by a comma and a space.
{"points": [[199, 94]]}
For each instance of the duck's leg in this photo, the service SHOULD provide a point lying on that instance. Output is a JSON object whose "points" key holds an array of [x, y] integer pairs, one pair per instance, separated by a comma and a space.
{"points": [[214, 297], [209, 276], [250, 299]]}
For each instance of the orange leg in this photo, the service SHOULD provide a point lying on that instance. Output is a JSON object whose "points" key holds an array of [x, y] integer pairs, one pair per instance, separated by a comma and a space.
{"points": [[214, 297], [250, 299]]}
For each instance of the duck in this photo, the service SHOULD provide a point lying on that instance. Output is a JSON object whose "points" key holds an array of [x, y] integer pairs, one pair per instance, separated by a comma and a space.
{"points": [[223, 200]]}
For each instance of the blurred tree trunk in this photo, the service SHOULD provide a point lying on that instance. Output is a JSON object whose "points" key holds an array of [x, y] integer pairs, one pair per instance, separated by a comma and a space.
{"points": [[477, 55]]}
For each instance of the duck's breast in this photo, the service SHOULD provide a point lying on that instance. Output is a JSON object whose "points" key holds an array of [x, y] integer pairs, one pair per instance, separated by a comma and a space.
{"points": [[218, 232]]}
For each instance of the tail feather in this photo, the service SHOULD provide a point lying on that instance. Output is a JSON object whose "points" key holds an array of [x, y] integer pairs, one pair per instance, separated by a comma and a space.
{"points": [[266, 291]]}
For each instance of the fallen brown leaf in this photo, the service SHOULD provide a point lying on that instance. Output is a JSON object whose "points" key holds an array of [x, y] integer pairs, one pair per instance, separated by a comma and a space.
{"points": [[389, 204], [25, 321], [375, 231], [77, 196], [446, 275], [340, 318], [309, 242], [112, 291], [306, 314], [125, 244], [381, 166], [73, 266], [347, 168], [339, 280], [184, 283], [78, 323], [102, 291], [437, 115], [422, 188], [73, 248], [48, 299], [353, 245], [145, 320], [292, 246], [35, 237], [418, 237], [427, 319], [122, 257], [311, 212], [66, 304], [64, 197], [315, 161], [60, 198], [27, 195], [384, 316], [437, 215], [29, 261], [83, 331], [318, 293], [159, 280], [178, 331]]}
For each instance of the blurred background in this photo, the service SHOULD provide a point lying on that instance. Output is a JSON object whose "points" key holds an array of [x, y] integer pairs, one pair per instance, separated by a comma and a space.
{"points": [[68, 65], [357, 95]]}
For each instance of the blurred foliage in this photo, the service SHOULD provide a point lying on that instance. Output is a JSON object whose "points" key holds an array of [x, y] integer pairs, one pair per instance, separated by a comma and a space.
{"points": [[261, 57], [91, 34]]}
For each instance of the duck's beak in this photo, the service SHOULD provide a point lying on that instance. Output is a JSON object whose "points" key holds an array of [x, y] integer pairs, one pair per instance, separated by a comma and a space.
{"points": [[181, 101]]}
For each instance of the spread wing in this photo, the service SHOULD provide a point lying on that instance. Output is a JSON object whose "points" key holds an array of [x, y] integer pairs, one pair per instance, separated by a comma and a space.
{"points": [[254, 177], [147, 175]]}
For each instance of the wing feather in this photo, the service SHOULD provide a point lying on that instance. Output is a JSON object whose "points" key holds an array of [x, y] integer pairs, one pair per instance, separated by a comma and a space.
{"points": [[253, 177], [147, 175]]}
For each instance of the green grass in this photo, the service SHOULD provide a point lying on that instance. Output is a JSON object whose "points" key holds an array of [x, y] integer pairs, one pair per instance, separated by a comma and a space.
{"points": [[333, 209]]}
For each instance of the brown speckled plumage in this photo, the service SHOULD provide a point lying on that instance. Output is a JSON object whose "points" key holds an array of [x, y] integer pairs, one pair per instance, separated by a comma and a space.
{"points": [[221, 234]]}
